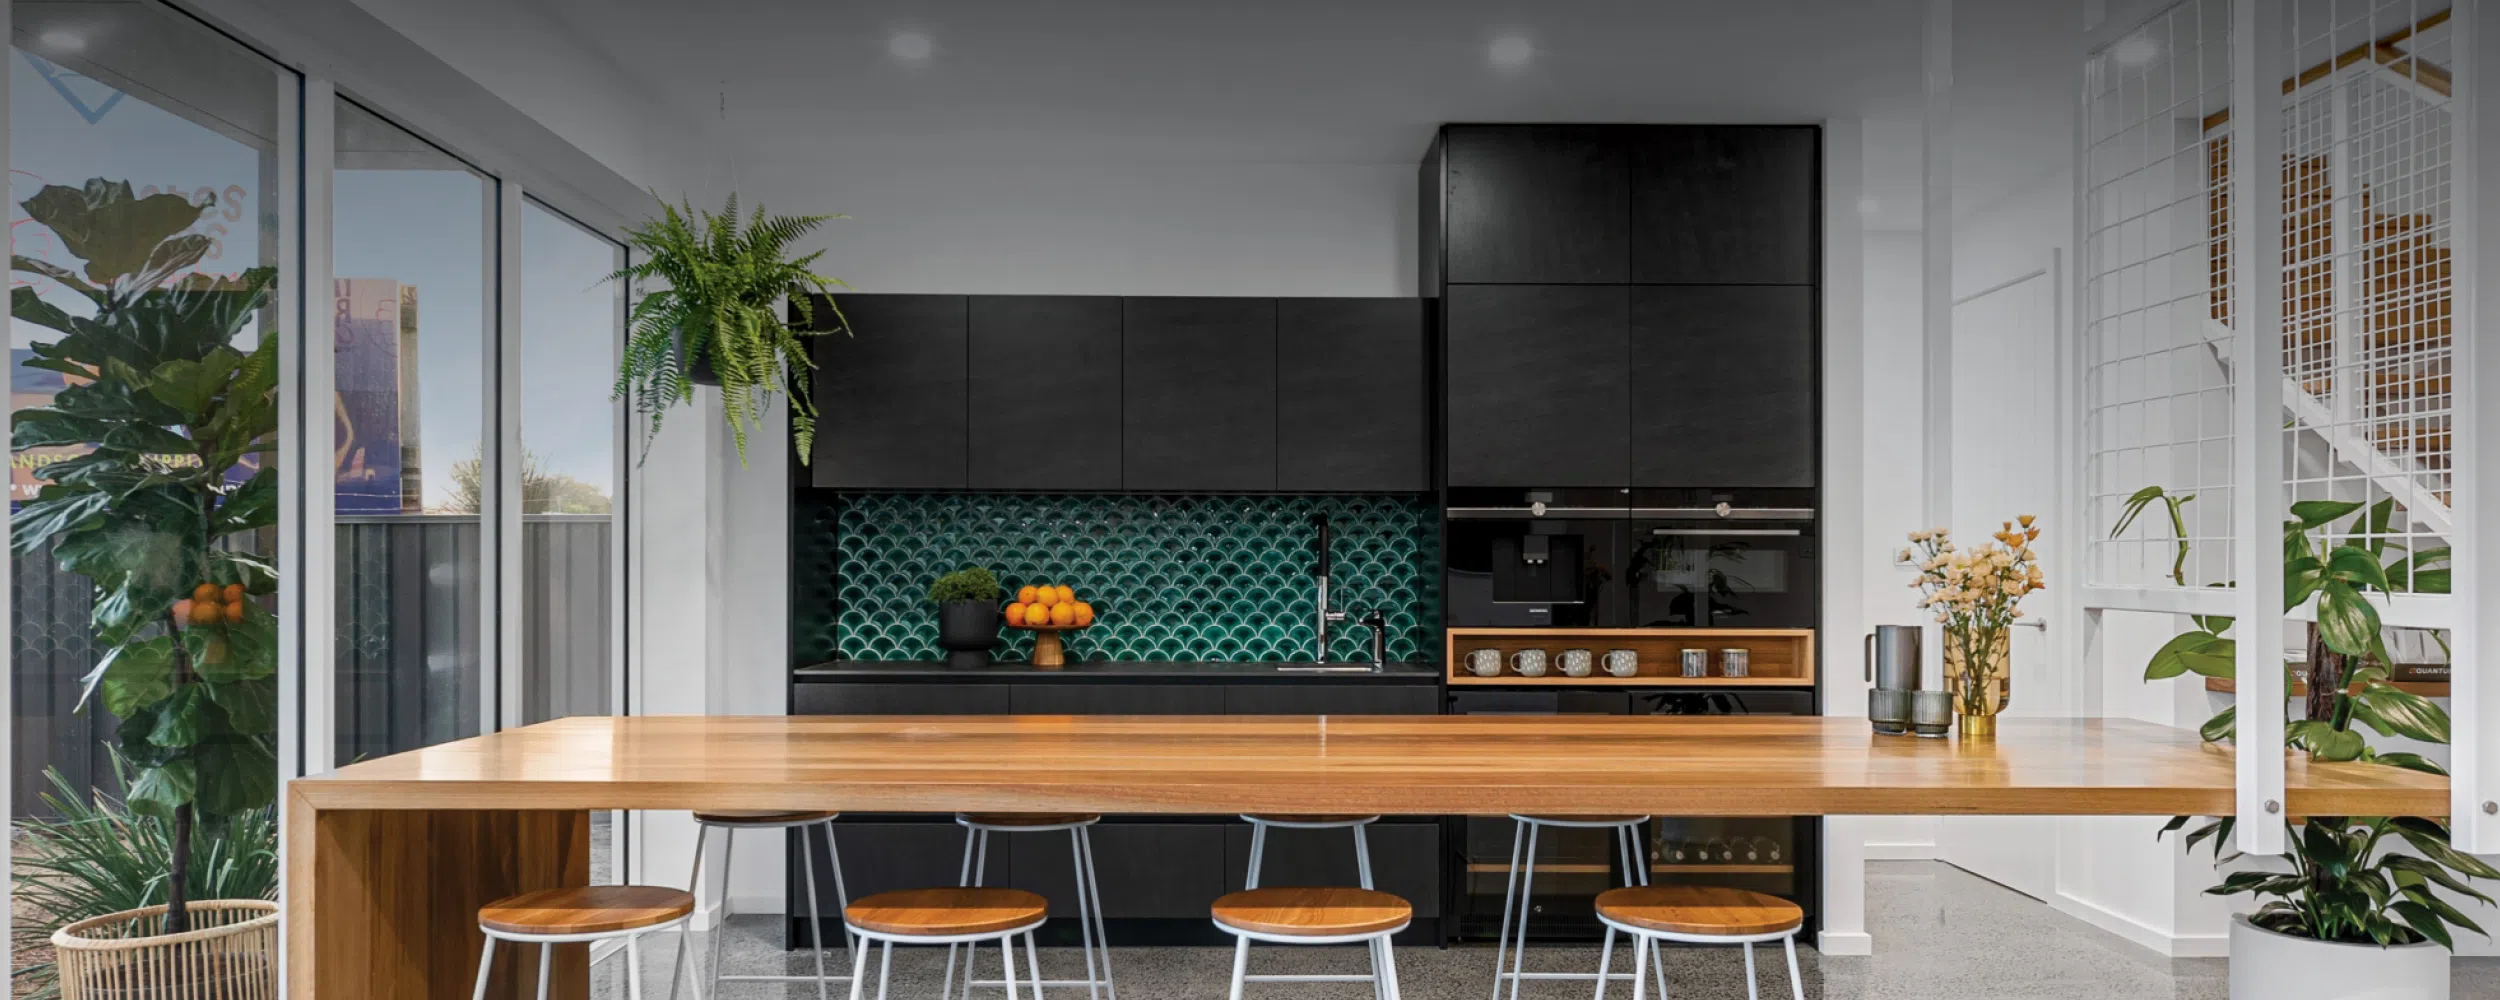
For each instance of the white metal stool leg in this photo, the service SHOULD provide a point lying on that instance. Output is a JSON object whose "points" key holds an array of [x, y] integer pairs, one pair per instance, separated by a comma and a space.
{"points": [[1102, 931], [1796, 982], [1527, 896], [685, 932], [1606, 962], [1084, 915], [859, 969], [1753, 989], [1640, 970], [1389, 961], [1093, 933], [1241, 965], [815, 919], [1510, 898], [485, 966], [633, 967], [1259, 826], [720, 908]]}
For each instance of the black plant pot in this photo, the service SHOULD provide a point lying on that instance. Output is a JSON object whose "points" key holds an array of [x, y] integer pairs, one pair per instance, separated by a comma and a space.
{"points": [[701, 371], [967, 630]]}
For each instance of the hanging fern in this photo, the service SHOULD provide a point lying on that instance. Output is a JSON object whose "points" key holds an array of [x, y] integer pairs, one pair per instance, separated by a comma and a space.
{"points": [[722, 284]]}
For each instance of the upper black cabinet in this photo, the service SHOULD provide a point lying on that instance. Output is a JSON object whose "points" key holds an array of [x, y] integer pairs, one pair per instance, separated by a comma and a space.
{"points": [[1046, 366], [1537, 204], [1351, 396], [890, 397], [1198, 383], [1538, 393], [1725, 379], [1721, 204]]}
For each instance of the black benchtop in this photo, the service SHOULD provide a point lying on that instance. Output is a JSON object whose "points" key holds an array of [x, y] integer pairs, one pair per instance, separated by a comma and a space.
{"points": [[1111, 671]]}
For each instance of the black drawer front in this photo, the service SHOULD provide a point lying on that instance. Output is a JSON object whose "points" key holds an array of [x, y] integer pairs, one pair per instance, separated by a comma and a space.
{"points": [[1349, 699], [899, 699], [1148, 870], [1406, 860]]}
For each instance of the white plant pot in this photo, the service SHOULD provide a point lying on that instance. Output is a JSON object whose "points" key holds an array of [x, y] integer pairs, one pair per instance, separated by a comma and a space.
{"points": [[2270, 966]]}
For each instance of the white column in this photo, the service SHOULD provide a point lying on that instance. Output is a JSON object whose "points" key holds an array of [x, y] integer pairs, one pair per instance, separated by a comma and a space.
{"points": [[2474, 763], [2257, 505], [304, 446], [1845, 545], [500, 521]]}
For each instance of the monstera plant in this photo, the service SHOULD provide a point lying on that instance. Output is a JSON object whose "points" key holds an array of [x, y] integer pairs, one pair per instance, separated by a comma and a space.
{"points": [[178, 425]]}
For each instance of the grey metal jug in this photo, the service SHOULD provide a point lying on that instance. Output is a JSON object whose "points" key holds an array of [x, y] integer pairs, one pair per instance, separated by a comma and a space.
{"points": [[1892, 657]]}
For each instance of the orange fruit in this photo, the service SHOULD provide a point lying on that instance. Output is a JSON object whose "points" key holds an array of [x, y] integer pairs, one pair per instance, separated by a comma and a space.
{"points": [[182, 611], [1063, 614], [1048, 596], [1015, 614], [1066, 593], [1084, 614], [206, 592], [1027, 595], [235, 610], [234, 593], [206, 612]]}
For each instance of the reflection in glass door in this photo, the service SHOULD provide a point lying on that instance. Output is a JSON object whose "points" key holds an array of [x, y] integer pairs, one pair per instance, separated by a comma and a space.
{"points": [[409, 251]]}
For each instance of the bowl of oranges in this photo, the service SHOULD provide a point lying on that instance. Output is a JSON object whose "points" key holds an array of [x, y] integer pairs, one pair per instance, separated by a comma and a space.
{"points": [[1047, 610]]}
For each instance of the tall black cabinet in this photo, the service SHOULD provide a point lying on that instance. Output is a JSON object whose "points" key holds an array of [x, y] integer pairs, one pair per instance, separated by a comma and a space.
{"points": [[1626, 306]]}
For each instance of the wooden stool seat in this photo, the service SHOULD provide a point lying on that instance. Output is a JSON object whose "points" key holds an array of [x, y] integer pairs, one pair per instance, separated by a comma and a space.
{"points": [[1699, 910], [1313, 912], [1586, 820], [1027, 819], [947, 912], [1312, 819], [589, 909], [763, 817]]}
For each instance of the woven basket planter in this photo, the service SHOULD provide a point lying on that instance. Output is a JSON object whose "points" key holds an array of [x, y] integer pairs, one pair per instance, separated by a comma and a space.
{"points": [[230, 953]]}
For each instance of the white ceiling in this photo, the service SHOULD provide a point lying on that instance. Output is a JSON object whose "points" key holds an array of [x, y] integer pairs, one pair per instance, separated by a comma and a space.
{"points": [[1281, 81]]}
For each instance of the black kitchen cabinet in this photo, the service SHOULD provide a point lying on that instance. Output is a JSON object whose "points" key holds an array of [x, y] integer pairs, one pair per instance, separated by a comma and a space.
{"points": [[1538, 394], [1198, 388], [1117, 699], [899, 699], [1725, 204], [1148, 870], [1726, 378], [1331, 699], [1536, 204], [890, 397], [1351, 396], [1406, 860], [879, 857], [1045, 392]]}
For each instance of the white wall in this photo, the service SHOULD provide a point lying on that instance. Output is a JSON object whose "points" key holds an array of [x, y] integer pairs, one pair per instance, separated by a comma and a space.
{"points": [[1894, 380]]}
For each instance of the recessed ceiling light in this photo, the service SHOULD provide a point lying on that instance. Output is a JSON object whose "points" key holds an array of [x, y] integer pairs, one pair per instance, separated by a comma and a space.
{"points": [[63, 40], [1511, 52], [2135, 50], [910, 46]]}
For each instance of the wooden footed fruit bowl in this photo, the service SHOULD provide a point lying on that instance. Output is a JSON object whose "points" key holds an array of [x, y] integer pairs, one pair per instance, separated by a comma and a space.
{"points": [[1046, 611]]}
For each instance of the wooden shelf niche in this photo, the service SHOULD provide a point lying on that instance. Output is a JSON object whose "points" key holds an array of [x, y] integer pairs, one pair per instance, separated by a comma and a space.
{"points": [[1781, 657]]}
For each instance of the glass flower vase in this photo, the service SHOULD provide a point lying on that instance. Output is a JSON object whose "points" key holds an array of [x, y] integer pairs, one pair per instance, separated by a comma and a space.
{"points": [[1977, 670]]}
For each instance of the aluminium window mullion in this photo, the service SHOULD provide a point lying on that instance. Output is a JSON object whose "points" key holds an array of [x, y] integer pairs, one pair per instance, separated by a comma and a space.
{"points": [[502, 514], [2257, 505], [2474, 760]]}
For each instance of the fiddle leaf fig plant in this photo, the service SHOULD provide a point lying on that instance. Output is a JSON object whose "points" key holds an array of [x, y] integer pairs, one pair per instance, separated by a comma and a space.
{"points": [[718, 313], [174, 417], [2348, 881]]}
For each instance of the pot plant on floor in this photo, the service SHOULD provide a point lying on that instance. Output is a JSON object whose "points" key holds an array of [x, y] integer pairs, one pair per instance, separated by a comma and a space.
{"points": [[159, 514], [2355, 905], [718, 321], [968, 619]]}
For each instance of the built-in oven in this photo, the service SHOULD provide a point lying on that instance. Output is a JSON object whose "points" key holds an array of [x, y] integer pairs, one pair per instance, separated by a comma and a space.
{"points": [[1719, 559], [1774, 855], [1537, 558]]}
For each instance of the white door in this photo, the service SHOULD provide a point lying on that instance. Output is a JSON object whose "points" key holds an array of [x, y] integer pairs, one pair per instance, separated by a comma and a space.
{"points": [[2004, 464]]}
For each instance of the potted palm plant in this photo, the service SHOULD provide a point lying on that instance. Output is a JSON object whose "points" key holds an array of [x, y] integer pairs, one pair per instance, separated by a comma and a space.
{"points": [[2355, 905], [173, 421], [718, 320]]}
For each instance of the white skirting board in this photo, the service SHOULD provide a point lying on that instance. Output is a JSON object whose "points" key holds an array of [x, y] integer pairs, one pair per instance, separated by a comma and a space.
{"points": [[2161, 942], [1918, 851], [1844, 943]]}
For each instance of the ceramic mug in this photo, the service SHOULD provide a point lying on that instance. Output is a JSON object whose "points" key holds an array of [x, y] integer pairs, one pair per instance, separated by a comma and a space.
{"points": [[1623, 662], [1484, 662], [1576, 662], [1529, 662]]}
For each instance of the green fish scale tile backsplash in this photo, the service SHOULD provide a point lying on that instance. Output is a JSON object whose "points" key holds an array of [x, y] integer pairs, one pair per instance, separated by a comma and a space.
{"points": [[1171, 578]]}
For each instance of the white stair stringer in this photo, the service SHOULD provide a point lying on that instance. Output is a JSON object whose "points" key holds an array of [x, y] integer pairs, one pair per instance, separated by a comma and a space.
{"points": [[2397, 476]]}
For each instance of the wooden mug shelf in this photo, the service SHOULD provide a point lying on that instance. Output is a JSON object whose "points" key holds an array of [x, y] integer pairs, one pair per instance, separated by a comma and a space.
{"points": [[1781, 657]]}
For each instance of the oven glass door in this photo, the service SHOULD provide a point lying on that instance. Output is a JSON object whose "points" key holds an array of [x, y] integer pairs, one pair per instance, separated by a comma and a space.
{"points": [[1717, 574]]}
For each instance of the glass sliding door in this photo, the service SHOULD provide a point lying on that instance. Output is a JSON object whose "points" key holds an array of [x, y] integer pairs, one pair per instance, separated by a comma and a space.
{"points": [[572, 326], [145, 155], [410, 272]]}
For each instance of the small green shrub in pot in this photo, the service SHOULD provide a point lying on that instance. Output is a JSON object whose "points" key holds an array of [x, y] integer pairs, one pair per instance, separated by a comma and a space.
{"points": [[974, 584], [968, 619]]}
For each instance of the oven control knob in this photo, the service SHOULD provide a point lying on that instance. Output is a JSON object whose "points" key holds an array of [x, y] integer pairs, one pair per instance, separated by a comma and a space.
{"points": [[1725, 510], [1537, 509]]}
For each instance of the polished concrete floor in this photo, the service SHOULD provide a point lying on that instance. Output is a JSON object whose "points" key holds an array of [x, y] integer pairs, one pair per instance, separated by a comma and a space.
{"points": [[1939, 933]]}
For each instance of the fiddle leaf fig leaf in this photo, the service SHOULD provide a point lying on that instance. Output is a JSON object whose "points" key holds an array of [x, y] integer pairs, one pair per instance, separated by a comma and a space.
{"points": [[165, 788], [107, 226], [133, 676]]}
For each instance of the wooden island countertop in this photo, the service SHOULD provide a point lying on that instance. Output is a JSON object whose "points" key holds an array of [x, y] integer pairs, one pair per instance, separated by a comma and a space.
{"points": [[390, 858]]}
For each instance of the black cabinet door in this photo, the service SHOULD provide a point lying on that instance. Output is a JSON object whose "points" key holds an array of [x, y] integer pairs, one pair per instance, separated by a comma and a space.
{"points": [[1537, 204], [1045, 374], [1351, 396], [1198, 380], [1152, 870], [1727, 386], [1538, 394], [1332, 699], [1117, 699], [1405, 856], [815, 698], [879, 857], [1721, 204], [890, 397]]}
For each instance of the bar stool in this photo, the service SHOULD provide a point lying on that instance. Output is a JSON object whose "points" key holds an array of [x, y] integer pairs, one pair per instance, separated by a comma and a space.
{"points": [[1519, 892], [1091, 933], [1693, 914], [962, 915], [1259, 825], [1315, 917], [550, 917], [729, 822]]}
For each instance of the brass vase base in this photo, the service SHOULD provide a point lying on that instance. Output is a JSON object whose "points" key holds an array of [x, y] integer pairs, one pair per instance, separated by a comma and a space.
{"points": [[1979, 727]]}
